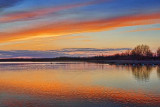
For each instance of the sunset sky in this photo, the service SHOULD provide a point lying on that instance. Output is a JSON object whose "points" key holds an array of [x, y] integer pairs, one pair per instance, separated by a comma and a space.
{"points": [[53, 28]]}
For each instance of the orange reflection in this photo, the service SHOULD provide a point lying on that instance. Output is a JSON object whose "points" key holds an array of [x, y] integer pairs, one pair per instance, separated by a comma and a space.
{"points": [[46, 88]]}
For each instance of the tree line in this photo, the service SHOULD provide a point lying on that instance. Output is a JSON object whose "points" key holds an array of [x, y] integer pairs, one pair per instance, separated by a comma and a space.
{"points": [[139, 52], [143, 50]]}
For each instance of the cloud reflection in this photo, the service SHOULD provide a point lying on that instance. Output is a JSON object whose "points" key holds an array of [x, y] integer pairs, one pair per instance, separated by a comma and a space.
{"points": [[70, 81]]}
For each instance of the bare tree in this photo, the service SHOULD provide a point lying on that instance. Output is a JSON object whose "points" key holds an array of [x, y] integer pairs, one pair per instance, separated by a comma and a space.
{"points": [[142, 50], [127, 53], [158, 52]]}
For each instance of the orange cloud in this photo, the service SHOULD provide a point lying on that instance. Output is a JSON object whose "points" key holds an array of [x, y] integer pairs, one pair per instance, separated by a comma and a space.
{"points": [[72, 27], [42, 12]]}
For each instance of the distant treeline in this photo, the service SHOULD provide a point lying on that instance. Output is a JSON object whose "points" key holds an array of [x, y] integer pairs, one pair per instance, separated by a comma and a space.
{"points": [[140, 52]]}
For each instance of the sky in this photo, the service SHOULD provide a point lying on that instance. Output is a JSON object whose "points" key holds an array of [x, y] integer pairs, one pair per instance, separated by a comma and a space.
{"points": [[54, 28]]}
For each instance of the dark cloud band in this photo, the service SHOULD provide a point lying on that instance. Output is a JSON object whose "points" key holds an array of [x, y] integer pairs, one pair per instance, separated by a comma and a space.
{"points": [[7, 3], [69, 52]]}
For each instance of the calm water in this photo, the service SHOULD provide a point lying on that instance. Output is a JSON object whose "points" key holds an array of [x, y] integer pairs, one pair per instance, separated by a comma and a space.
{"points": [[71, 84]]}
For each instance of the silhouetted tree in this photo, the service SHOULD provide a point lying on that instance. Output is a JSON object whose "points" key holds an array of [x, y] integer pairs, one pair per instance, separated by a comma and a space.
{"points": [[127, 53], [158, 52], [142, 50]]}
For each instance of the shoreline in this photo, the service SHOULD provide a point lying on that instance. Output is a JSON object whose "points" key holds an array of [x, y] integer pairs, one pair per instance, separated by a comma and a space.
{"points": [[116, 62], [130, 62]]}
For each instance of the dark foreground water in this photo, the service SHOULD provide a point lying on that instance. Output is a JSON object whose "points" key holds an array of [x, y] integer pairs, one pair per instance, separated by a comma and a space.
{"points": [[78, 84]]}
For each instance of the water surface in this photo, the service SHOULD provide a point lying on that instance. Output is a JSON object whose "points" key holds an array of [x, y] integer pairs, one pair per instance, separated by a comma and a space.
{"points": [[78, 84]]}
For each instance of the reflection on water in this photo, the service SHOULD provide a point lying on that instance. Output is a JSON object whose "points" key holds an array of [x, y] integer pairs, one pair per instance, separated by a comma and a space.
{"points": [[142, 72], [77, 84], [158, 71]]}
